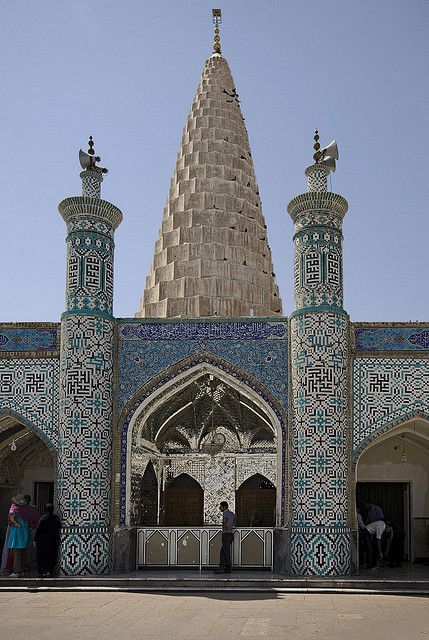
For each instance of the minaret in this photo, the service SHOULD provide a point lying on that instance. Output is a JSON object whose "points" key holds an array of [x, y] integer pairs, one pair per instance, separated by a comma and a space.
{"points": [[86, 375], [319, 330], [212, 257]]}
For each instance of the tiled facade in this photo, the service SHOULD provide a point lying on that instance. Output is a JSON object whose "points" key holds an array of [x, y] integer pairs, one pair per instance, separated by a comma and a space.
{"points": [[29, 390], [319, 336], [386, 392], [86, 381], [327, 386], [178, 375], [257, 347]]}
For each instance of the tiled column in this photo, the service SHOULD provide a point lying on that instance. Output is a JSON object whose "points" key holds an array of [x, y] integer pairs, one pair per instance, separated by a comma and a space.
{"points": [[86, 380], [320, 536]]}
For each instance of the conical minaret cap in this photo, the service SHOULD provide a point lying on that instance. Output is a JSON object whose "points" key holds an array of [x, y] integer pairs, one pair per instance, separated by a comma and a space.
{"points": [[212, 256]]}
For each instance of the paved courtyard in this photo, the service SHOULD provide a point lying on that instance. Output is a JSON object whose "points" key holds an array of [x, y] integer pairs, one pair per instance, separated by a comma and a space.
{"points": [[108, 615]]}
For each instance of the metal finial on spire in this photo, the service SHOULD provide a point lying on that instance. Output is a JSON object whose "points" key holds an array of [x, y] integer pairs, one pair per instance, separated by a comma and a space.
{"points": [[217, 20], [316, 147], [88, 160], [328, 155], [90, 146]]}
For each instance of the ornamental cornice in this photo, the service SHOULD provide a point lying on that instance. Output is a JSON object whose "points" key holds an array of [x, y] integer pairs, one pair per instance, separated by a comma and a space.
{"points": [[29, 340], [85, 206], [30, 325], [372, 325], [320, 201]]}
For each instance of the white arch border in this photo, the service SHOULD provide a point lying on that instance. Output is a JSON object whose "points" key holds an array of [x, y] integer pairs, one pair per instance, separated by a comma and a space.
{"points": [[407, 426], [171, 388]]}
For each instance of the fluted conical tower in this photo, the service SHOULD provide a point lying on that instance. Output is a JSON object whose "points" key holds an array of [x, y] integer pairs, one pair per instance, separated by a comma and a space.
{"points": [[212, 256]]}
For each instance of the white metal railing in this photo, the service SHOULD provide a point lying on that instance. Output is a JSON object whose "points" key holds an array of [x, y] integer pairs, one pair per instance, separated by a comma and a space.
{"points": [[200, 547]]}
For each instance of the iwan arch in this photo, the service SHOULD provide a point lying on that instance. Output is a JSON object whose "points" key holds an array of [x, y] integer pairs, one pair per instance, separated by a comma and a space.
{"points": [[141, 425]]}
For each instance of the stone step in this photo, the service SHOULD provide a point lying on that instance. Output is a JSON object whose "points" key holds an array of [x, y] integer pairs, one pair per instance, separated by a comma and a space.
{"points": [[218, 583]]}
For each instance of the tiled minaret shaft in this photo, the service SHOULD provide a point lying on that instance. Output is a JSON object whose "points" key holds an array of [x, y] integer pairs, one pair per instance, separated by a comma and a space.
{"points": [[212, 257], [319, 334], [86, 380]]}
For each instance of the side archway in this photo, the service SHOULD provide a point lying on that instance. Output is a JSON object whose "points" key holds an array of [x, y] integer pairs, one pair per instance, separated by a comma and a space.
{"points": [[10, 416], [392, 471], [386, 426], [28, 462], [153, 395]]}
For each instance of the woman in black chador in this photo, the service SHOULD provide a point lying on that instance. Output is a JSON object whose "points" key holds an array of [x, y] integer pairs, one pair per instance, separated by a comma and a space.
{"points": [[47, 541]]}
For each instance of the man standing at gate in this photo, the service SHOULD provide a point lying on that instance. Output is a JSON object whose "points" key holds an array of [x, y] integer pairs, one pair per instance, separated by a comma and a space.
{"points": [[227, 538]]}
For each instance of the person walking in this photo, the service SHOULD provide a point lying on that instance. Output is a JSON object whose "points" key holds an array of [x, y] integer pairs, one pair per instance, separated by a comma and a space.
{"points": [[21, 516], [47, 542], [225, 563]]}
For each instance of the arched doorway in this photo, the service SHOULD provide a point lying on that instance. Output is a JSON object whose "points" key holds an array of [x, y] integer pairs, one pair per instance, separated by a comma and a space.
{"points": [[148, 498], [183, 502], [209, 427], [393, 472], [27, 466], [136, 444], [255, 502]]}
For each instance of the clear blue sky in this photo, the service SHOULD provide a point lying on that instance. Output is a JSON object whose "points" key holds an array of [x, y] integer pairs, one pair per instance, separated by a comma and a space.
{"points": [[127, 72]]}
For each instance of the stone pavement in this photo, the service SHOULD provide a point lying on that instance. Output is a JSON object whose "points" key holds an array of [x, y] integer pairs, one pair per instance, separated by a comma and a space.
{"points": [[135, 616]]}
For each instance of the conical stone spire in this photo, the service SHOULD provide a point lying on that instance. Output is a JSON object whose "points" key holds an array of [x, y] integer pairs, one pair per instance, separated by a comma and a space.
{"points": [[212, 256]]}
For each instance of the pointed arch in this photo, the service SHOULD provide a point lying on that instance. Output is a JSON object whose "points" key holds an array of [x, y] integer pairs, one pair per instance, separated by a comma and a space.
{"points": [[184, 481], [148, 498], [42, 486], [378, 430], [184, 502], [168, 383], [255, 501], [32, 426]]}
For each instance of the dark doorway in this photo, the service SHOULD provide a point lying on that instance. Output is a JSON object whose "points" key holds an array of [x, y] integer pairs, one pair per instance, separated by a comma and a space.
{"points": [[255, 502], [393, 498], [183, 503], [43, 493], [148, 506]]}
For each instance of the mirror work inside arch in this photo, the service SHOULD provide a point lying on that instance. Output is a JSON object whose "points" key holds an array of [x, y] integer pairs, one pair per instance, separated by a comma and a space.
{"points": [[216, 438]]}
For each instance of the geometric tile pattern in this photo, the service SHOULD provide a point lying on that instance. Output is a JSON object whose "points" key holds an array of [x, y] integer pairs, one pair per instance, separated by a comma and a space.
{"points": [[388, 338], [85, 425], [320, 552], [319, 364], [319, 337], [317, 179], [318, 267], [91, 184], [85, 550], [387, 391], [319, 383], [86, 380], [145, 350], [90, 266], [29, 387], [86, 414], [20, 338]]}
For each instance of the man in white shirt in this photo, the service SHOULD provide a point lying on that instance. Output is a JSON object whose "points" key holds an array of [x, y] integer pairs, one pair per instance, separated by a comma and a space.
{"points": [[376, 529], [227, 538]]}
